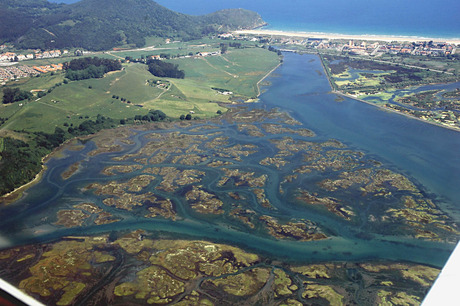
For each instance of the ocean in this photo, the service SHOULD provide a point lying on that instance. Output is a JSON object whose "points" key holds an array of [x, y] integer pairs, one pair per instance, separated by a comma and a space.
{"points": [[421, 18]]}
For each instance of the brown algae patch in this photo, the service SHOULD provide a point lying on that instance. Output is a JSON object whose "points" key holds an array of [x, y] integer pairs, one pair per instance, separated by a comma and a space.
{"points": [[243, 284], [82, 213], [279, 129], [71, 218], [204, 202], [71, 170], [331, 204], [113, 170], [149, 271], [62, 271], [301, 230], [327, 293]]}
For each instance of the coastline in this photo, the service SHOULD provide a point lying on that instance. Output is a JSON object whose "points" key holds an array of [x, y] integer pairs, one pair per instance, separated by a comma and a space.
{"points": [[367, 37], [17, 193], [384, 108], [338, 92], [266, 76]]}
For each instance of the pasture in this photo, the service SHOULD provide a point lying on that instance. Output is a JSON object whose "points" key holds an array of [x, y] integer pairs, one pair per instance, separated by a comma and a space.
{"points": [[70, 104]]}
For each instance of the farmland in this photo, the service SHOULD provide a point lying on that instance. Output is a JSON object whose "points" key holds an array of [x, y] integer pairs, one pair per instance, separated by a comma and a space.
{"points": [[72, 103]]}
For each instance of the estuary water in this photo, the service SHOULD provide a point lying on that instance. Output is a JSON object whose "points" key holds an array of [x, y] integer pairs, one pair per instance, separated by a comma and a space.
{"points": [[425, 153]]}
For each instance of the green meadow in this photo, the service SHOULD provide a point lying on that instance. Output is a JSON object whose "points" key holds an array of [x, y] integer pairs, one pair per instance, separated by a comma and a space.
{"points": [[70, 104], [363, 80]]}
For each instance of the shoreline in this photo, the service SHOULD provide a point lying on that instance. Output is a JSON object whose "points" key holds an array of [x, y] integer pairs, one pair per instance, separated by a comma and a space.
{"points": [[18, 192], [366, 37], [384, 108], [266, 76]]}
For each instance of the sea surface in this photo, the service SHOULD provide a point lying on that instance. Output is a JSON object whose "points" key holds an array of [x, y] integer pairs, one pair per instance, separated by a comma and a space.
{"points": [[421, 18], [425, 153]]}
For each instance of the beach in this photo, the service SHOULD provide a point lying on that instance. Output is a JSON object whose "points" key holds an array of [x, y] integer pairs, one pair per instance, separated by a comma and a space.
{"points": [[386, 38]]}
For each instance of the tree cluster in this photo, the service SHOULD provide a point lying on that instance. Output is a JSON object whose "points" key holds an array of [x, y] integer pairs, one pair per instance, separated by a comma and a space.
{"points": [[92, 72], [93, 126], [11, 95], [164, 69], [272, 49], [236, 45], [223, 48], [85, 62], [19, 163], [153, 115], [89, 68], [185, 117]]}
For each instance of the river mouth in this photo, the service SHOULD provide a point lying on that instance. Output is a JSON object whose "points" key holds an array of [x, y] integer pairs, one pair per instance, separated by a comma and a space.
{"points": [[267, 171], [263, 177], [318, 195]]}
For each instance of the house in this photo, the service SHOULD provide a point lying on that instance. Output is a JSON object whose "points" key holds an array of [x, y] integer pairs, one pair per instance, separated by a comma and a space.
{"points": [[39, 69], [226, 35], [8, 56], [406, 50]]}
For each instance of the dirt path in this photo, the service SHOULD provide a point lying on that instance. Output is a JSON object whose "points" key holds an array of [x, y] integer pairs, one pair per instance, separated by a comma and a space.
{"points": [[262, 79], [227, 60], [221, 70]]}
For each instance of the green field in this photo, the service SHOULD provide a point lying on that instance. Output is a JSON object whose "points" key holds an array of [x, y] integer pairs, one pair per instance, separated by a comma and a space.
{"points": [[438, 63], [238, 71], [71, 104], [364, 80], [45, 81]]}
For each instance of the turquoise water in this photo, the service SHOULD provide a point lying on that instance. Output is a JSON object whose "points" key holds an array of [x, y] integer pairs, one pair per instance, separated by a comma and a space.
{"points": [[427, 154], [425, 18]]}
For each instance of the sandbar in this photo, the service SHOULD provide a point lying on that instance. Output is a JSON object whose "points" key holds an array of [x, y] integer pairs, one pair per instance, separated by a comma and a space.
{"points": [[368, 37]]}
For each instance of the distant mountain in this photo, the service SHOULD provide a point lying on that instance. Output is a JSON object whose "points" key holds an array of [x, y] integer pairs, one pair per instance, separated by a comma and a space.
{"points": [[64, 1], [104, 24]]}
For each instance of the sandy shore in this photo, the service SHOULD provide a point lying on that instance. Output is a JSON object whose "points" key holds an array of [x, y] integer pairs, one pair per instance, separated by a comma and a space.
{"points": [[385, 38]]}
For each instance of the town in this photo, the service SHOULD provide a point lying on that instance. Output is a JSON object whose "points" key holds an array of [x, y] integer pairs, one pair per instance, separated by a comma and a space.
{"points": [[37, 54], [355, 47]]}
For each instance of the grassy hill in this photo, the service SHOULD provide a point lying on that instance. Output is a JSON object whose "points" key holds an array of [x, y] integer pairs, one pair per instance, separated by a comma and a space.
{"points": [[72, 103], [104, 24]]}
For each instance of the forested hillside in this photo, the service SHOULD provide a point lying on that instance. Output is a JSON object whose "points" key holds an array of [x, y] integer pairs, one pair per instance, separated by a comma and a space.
{"points": [[104, 24]]}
